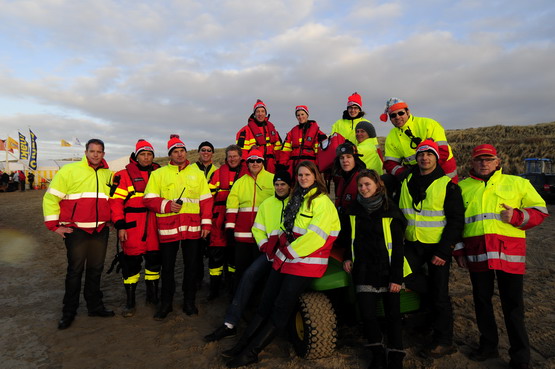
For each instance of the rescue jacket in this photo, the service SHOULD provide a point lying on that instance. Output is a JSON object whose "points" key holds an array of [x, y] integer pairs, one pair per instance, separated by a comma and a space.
{"points": [[267, 225], [301, 143], [243, 201], [489, 243], [207, 171], [398, 151], [315, 229], [169, 184], [265, 136], [129, 211], [347, 128], [220, 184], [370, 155], [78, 197]]}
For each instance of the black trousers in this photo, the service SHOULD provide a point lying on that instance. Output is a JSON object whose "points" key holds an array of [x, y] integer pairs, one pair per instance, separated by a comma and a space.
{"points": [[512, 302], [392, 306], [85, 252], [189, 250], [436, 289], [245, 255], [280, 297]]}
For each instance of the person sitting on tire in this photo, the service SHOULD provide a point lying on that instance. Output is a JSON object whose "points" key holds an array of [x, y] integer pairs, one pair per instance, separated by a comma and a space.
{"points": [[310, 227], [375, 258]]}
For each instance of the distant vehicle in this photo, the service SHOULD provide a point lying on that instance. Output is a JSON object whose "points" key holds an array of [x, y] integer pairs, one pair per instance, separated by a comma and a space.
{"points": [[539, 171]]}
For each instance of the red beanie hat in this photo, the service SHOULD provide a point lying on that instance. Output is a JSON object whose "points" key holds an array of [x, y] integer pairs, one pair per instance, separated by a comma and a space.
{"points": [[428, 145], [392, 104], [355, 99], [143, 145], [301, 107], [255, 153], [175, 142], [259, 104]]}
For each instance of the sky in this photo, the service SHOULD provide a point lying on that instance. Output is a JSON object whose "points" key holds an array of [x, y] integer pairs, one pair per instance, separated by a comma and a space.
{"points": [[125, 70]]}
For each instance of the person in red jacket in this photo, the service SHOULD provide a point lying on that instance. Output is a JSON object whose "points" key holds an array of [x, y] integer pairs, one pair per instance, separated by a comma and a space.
{"points": [[260, 132], [136, 225], [76, 207], [221, 249]]}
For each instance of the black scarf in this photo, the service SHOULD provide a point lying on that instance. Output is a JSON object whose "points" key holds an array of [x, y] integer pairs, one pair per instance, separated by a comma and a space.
{"points": [[370, 204], [292, 209]]}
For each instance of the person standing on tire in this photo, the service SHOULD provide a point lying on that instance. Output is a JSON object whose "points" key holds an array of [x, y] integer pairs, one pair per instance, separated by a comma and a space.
{"points": [[375, 258], [180, 196], [499, 208], [136, 225], [310, 227], [433, 207], [265, 232]]}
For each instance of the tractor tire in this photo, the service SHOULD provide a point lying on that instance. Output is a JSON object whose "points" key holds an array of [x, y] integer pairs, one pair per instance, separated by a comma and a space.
{"points": [[313, 327]]}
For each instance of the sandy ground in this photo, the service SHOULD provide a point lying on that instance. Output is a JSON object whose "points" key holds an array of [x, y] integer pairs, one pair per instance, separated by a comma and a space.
{"points": [[33, 264]]}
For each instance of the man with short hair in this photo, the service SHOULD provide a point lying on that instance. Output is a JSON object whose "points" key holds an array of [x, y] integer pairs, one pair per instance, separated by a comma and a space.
{"points": [[499, 208], [180, 196], [433, 207], [76, 207], [204, 162], [407, 133]]}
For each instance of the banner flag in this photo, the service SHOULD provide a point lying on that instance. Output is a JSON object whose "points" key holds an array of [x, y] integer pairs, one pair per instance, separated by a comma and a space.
{"points": [[76, 142], [64, 143], [33, 156], [23, 148], [12, 144], [2, 145]]}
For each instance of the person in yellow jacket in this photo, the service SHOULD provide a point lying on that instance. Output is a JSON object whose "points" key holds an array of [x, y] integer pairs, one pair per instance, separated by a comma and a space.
{"points": [[367, 146], [76, 207], [180, 196], [433, 207], [242, 204], [346, 126]]}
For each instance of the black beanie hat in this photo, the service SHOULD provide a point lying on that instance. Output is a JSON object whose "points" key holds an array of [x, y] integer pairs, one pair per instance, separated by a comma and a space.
{"points": [[282, 175], [206, 143]]}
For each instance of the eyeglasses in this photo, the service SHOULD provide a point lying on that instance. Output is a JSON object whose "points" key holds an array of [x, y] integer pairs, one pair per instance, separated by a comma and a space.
{"points": [[487, 160], [414, 141], [394, 115], [205, 150], [250, 161]]}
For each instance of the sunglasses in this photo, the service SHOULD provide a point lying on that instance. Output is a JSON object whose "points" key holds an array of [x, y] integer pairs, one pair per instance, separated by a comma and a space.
{"points": [[414, 141], [205, 150], [487, 160], [394, 115], [250, 161]]}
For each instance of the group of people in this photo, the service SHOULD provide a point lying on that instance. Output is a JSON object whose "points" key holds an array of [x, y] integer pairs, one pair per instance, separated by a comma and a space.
{"points": [[15, 181], [265, 218]]}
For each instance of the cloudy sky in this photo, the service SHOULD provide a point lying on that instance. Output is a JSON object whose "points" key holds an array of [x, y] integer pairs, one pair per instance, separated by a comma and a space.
{"points": [[123, 70]]}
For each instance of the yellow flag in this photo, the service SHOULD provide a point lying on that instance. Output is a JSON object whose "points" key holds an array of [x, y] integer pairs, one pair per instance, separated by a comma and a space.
{"points": [[12, 144], [65, 143]]}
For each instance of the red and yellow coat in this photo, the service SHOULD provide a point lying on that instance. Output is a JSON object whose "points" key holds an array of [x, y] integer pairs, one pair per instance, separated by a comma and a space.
{"points": [[301, 143], [169, 184], [265, 136]]}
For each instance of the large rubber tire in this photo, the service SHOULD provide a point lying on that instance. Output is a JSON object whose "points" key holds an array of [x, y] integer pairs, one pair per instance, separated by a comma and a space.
{"points": [[313, 327]]}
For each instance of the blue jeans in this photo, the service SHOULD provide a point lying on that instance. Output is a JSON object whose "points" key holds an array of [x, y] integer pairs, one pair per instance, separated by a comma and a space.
{"points": [[257, 271]]}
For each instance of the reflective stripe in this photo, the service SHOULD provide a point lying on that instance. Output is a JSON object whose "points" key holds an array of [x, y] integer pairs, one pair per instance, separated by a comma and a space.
{"points": [[206, 221], [299, 230], [493, 255], [50, 218], [216, 271], [411, 158], [316, 261], [441, 143], [452, 174], [391, 158], [163, 206], [205, 196], [232, 210], [230, 225], [242, 234], [86, 195], [262, 242], [293, 252], [250, 208], [483, 216], [168, 232], [423, 223], [459, 246], [526, 218], [133, 279], [314, 228], [84, 224], [260, 226], [189, 200], [56, 193], [541, 208], [426, 213], [394, 170]]}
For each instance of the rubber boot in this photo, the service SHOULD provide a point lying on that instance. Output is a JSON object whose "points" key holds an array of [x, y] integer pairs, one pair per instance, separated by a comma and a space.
{"points": [[165, 308], [152, 292], [189, 307], [215, 282], [249, 332], [378, 357], [129, 309], [395, 359], [250, 354]]}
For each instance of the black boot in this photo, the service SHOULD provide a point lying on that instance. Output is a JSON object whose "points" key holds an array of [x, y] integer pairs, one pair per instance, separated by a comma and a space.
{"points": [[152, 292], [250, 354], [165, 308], [378, 357], [189, 307], [129, 309], [249, 333], [395, 359], [215, 282]]}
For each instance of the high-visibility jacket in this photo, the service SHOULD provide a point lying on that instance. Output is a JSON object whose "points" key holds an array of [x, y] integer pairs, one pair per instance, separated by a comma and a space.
{"points": [[301, 143], [78, 197], [489, 243], [130, 213], [207, 171], [267, 225], [347, 129], [220, 184], [425, 224], [346, 191], [315, 229], [388, 244], [370, 155], [265, 136], [243, 201], [169, 184], [398, 151]]}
